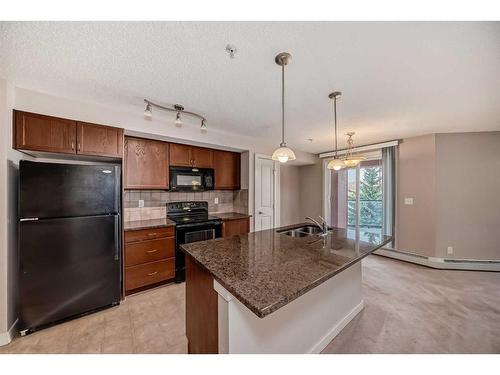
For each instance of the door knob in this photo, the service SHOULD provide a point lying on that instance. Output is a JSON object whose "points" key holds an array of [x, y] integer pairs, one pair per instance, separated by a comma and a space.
{"points": [[261, 213]]}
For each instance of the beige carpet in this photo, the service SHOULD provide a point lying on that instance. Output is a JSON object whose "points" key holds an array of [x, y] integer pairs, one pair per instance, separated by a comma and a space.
{"points": [[408, 309], [415, 309]]}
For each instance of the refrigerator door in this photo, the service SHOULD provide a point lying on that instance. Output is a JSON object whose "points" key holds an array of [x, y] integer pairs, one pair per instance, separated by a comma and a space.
{"points": [[65, 190], [67, 267]]}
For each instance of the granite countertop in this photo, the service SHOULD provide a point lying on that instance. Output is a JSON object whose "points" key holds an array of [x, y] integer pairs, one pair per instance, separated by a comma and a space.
{"points": [[146, 224], [231, 215], [266, 270]]}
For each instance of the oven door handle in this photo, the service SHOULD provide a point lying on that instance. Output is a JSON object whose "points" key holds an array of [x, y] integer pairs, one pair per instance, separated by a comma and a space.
{"points": [[205, 225]]}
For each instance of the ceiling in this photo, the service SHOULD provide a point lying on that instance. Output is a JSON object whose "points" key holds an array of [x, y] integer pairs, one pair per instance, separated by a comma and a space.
{"points": [[398, 79]]}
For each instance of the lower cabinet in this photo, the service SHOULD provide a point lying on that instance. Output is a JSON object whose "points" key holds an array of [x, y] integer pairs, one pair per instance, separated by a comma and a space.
{"points": [[235, 226], [149, 258]]}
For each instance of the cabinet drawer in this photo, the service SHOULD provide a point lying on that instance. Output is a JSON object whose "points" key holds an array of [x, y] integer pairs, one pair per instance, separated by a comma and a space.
{"points": [[149, 251], [149, 273], [148, 234]]}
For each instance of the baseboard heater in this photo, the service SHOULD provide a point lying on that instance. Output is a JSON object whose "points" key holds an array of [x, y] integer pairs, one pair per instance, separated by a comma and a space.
{"points": [[442, 263]]}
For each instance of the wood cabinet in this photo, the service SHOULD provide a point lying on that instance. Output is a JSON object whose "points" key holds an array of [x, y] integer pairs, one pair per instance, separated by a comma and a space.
{"points": [[100, 140], [191, 156], [227, 170], [146, 164], [35, 132], [202, 327], [180, 155], [235, 227], [149, 258]]}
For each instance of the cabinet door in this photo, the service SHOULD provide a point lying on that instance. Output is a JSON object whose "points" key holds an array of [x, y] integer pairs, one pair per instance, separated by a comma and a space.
{"points": [[227, 170], [93, 139], [180, 155], [202, 157], [235, 227], [146, 164], [44, 133]]}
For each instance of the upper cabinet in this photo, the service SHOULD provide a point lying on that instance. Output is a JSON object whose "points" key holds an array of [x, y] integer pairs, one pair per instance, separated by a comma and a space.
{"points": [[180, 155], [42, 133], [146, 164], [227, 170], [93, 139], [191, 156]]}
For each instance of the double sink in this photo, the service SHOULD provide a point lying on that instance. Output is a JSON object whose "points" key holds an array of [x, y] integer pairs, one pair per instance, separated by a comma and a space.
{"points": [[302, 231]]}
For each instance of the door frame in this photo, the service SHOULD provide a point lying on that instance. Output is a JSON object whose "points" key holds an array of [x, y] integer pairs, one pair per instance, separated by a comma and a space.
{"points": [[276, 184]]}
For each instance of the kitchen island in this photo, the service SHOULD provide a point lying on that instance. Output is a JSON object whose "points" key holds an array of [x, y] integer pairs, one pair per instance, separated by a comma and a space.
{"points": [[273, 291]]}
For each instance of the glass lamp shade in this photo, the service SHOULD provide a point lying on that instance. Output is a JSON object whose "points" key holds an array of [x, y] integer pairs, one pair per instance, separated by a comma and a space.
{"points": [[353, 161], [283, 154], [336, 164]]}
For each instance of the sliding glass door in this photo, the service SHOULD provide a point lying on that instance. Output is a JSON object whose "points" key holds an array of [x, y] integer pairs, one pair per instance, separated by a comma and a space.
{"points": [[355, 198]]}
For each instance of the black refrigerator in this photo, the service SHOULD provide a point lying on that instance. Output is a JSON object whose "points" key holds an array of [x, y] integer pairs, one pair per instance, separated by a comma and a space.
{"points": [[69, 241]]}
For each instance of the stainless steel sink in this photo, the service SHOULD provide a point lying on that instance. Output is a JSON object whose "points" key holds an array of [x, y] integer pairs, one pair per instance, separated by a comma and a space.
{"points": [[303, 231], [310, 229], [295, 233]]}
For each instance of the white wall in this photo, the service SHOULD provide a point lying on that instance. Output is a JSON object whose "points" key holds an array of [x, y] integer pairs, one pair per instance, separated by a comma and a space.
{"points": [[9, 159]]}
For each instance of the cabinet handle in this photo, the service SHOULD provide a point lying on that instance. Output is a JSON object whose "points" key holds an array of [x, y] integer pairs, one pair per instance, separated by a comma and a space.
{"points": [[152, 234], [151, 251], [72, 145], [152, 273], [78, 146]]}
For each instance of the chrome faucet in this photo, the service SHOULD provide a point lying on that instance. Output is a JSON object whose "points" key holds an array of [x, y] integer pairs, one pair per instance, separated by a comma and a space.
{"points": [[322, 226]]}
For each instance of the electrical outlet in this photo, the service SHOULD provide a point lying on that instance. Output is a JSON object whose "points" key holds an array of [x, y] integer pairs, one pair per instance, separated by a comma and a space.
{"points": [[141, 203], [450, 250], [216, 200], [409, 201]]}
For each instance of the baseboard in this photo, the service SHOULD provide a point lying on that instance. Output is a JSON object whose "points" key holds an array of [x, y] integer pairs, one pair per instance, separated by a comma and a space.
{"points": [[322, 344], [441, 263], [6, 337]]}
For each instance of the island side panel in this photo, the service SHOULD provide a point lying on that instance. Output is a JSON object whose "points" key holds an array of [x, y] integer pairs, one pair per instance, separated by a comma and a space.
{"points": [[201, 310]]}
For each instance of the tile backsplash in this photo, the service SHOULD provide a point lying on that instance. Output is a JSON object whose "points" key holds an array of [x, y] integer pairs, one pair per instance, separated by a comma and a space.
{"points": [[155, 202]]}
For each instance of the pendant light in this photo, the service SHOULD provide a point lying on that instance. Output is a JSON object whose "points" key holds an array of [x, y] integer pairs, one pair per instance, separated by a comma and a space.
{"points": [[283, 153], [351, 160], [336, 164]]}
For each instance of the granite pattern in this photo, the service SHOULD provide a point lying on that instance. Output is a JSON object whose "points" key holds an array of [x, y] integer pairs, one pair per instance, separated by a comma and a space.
{"points": [[230, 215], [147, 224], [266, 270]]}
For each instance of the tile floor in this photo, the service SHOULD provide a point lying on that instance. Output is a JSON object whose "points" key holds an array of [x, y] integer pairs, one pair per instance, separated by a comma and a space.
{"points": [[408, 309], [149, 322]]}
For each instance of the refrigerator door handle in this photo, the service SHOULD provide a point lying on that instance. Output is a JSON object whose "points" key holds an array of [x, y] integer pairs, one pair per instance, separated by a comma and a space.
{"points": [[29, 219], [117, 237]]}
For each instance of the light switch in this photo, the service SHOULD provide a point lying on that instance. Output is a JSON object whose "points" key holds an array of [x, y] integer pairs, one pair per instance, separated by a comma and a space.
{"points": [[409, 201], [141, 203], [216, 200]]}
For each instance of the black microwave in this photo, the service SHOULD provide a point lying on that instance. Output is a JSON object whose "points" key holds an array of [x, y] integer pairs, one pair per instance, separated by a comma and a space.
{"points": [[191, 179]]}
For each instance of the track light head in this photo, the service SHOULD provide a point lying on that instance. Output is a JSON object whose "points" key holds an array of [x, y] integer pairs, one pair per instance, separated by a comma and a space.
{"points": [[148, 111], [203, 126], [178, 121]]}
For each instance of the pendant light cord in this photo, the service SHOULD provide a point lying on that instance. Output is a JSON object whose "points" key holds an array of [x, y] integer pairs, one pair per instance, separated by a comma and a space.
{"points": [[282, 104], [335, 121]]}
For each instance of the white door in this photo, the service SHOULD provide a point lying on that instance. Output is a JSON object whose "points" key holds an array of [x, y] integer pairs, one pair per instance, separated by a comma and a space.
{"points": [[264, 193]]}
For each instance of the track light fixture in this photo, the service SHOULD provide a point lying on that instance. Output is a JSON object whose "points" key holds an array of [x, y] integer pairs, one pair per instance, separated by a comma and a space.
{"points": [[178, 109]]}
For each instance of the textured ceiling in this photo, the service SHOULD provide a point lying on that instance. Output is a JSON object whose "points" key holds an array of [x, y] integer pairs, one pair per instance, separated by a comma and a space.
{"points": [[398, 79]]}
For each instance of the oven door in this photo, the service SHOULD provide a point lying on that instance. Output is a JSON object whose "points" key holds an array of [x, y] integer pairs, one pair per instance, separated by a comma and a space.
{"points": [[188, 234]]}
